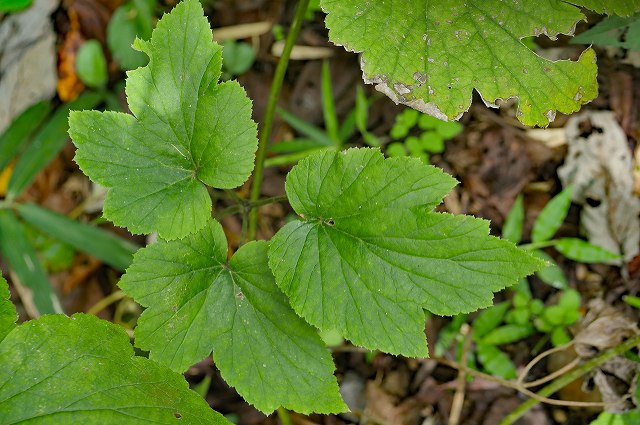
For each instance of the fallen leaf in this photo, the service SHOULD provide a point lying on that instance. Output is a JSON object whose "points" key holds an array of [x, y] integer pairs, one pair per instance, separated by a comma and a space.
{"points": [[27, 59], [599, 166], [69, 85]]}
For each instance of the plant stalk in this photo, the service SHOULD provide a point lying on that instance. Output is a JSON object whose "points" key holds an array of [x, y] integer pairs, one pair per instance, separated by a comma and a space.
{"points": [[565, 380], [245, 205], [274, 94]]}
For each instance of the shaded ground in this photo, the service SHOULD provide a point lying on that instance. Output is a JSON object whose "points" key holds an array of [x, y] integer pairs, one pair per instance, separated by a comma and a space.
{"points": [[494, 158]]}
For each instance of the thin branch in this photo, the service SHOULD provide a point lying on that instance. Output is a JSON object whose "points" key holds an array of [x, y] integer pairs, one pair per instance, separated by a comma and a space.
{"points": [[246, 205], [538, 358], [461, 382], [514, 385], [566, 379]]}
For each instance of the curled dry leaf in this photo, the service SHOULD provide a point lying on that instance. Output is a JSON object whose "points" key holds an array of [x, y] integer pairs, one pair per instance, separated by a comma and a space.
{"points": [[604, 327], [599, 165], [27, 59]]}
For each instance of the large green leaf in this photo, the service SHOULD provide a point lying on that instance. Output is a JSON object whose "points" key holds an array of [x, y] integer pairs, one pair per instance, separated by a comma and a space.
{"points": [[431, 55], [198, 302], [186, 132], [8, 313], [81, 370], [619, 7], [367, 256]]}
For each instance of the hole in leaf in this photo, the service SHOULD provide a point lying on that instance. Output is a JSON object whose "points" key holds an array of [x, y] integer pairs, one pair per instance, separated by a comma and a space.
{"points": [[177, 415], [593, 202], [587, 129]]}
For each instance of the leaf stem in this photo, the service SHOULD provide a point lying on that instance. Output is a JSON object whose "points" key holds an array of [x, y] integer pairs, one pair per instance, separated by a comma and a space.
{"points": [[270, 111], [247, 205], [106, 302], [284, 417], [537, 245], [291, 158], [564, 380]]}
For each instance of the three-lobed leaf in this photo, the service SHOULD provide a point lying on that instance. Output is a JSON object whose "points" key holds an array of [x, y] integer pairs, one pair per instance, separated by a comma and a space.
{"points": [[186, 132], [432, 55], [199, 302], [81, 369], [367, 256]]}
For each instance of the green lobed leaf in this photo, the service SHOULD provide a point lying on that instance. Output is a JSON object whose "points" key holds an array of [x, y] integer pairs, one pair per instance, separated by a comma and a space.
{"points": [[613, 31], [8, 314], [367, 256], [198, 302], [552, 216], [618, 7], [432, 55], [584, 252], [186, 133], [81, 370]]}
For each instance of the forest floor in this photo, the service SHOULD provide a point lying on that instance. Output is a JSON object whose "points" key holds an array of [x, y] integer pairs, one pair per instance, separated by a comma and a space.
{"points": [[495, 159]]}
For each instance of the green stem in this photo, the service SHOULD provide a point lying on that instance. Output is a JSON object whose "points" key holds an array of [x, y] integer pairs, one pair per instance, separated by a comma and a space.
{"points": [[270, 111], [245, 205], [576, 373], [283, 414], [106, 302], [537, 245], [291, 158]]}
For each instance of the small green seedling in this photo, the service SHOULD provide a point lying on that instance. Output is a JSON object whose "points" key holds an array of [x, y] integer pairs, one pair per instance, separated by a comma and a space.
{"points": [[544, 228], [133, 19], [237, 58], [91, 64], [430, 139]]}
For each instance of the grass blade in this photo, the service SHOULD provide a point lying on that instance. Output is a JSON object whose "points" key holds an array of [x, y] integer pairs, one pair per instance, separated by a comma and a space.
{"points": [[328, 106], [46, 144], [16, 136], [309, 130], [24, 262], [106, 246]]}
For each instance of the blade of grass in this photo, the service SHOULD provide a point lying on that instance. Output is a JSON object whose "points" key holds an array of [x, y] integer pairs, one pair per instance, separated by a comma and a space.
{"points": [[295, 145], [311, 131], [24, 262], [328, 106], [106, 246], [46, 144], [16, 136], [265, 132], [292, 158]]}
